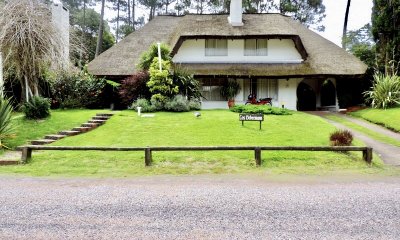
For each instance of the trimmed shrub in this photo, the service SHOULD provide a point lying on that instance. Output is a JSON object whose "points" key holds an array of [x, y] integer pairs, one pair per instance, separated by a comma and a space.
{"points": [[36, 108], [194, 105], [385, 91], [341, 138], [144, 104], [177, 104], [134, 87], [78, 90], [264, 109]]}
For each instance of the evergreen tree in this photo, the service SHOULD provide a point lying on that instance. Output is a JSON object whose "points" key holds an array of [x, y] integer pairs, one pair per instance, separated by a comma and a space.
{"points": [[385, 29], [309, 12]]}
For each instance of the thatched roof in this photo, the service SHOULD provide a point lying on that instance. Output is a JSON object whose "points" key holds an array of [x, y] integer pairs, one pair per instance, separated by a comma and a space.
{"points": [[322, 57]]}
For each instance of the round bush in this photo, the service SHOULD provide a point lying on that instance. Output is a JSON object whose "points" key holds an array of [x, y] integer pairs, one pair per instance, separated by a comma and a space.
{"points": [[178, 104], [144, 104], [36, 108], [341, 138]]}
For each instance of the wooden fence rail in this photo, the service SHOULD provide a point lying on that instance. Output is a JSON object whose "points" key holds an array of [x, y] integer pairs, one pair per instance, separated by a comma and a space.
{"points": [[367, 151]]}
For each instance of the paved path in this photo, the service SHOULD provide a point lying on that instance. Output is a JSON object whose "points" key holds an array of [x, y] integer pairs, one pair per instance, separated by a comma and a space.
{"points": [[389, 154], [199, 207]]}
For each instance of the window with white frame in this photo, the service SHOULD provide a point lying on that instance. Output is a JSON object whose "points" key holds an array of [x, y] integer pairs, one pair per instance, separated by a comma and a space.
{"points": [[256, 47], [216, 47], [267, 88]]}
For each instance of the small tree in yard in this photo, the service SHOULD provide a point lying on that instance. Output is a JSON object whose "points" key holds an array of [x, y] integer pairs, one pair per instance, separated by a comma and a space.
{"points": [[29, 42], [161, 84]]}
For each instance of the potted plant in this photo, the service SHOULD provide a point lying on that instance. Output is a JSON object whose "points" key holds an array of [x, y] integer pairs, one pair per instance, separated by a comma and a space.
{"points": [[229, 91]]}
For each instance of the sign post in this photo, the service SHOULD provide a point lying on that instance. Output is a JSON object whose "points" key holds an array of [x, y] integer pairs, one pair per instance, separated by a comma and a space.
{"points": [[251, 117]]}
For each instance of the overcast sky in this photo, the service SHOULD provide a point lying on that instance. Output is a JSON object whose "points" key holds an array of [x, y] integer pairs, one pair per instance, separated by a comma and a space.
{"points": [[360, 14]]}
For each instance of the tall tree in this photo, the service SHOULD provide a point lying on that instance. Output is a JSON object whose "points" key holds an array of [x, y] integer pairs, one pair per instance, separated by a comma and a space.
{"points": [[101, 29], [385, 29], [346, 18], [152, 6], [309, 12], [88, 38]]}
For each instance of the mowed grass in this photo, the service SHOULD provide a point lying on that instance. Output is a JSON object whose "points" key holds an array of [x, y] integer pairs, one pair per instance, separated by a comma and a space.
{"points": [[26, 130], [373, 134], [213, 128], [389, 118]]}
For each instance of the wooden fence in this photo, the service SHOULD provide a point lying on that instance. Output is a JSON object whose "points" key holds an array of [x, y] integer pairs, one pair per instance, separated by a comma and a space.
{"points": [[367, 151]]}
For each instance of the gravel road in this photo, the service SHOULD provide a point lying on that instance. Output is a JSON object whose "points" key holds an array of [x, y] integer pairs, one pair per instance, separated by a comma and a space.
{"points": [[199, 207]]}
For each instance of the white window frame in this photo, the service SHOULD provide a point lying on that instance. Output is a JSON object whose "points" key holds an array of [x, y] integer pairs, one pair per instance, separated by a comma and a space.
{"points": [[216, 47], [255, 47]]}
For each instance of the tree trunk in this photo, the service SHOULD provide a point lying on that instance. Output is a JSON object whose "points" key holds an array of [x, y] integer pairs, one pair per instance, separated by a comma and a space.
{"points": [[117, 32], [133, 15], [101, 28], [346, 18], [129, 13]]}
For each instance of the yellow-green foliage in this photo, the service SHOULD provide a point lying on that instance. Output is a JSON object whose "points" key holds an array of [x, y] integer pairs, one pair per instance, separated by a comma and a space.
{"points": [[161, 84]]}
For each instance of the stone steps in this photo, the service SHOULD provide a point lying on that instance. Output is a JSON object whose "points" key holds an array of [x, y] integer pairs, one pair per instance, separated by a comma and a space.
{"points": [[96, 121], [42, 141], [69, 133], [82, 129], [90, 125], [105, 114], [55, 136], [100, 117], [9, 162]]}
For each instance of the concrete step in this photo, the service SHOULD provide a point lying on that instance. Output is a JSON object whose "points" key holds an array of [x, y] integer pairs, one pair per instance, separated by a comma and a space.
{"points": [[99, 122], [69, 133], [91, 125], [42, 141], [9, 162], [54, 137], [100, 118], [105, 114], [82, 129]]}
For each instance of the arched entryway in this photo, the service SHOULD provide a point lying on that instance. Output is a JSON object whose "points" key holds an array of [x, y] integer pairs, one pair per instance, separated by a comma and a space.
{"points": [[306, 98], [328, 93]]}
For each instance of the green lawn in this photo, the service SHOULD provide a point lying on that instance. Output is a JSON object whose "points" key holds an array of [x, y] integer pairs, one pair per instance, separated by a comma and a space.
{"points": [[26, 130], [366, 131], [389, 118], [213, 128]]}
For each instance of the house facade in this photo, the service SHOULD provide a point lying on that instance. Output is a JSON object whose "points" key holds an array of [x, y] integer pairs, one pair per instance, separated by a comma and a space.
{"points": [[269, 55]]}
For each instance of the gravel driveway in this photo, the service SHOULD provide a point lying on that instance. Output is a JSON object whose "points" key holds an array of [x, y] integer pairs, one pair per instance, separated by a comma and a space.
{"points": [[199, 207]]}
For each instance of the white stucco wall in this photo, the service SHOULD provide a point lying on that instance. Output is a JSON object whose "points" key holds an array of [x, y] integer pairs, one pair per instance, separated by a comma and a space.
{"points": [[287, 92], [279, 51]]}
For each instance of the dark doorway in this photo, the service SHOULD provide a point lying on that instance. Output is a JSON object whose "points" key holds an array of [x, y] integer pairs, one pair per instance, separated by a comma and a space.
{"points": [[328, 93], [306, 100]]}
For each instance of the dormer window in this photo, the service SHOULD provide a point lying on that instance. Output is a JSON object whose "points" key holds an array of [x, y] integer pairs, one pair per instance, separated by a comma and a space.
{"points": [[216, 47], [256, 47]]}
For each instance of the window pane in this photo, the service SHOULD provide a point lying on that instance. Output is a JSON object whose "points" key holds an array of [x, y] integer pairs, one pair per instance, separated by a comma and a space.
{"points": [[262, 47], [250, 47], [216, 47]]}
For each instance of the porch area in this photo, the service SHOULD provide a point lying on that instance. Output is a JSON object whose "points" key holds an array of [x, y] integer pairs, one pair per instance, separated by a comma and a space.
{"points": [[302, 94]]}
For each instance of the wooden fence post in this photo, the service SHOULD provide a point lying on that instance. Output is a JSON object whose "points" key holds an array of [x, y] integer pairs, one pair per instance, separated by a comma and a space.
{"points": [[147, 157], [26, 154], [257, 156], [367, 155]]}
